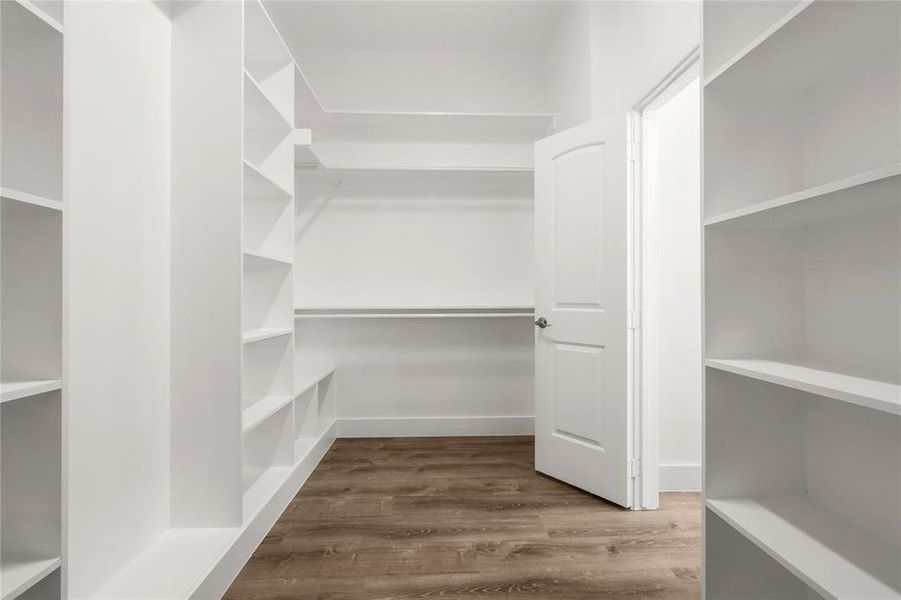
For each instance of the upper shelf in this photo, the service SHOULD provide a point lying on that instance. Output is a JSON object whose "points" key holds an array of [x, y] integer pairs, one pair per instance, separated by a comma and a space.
{"points": [[829, 554], [14, 390], [40, 10], [259, 186], [878, 395], [413, 312], [260, 112], [810, 43], [874, 190]]}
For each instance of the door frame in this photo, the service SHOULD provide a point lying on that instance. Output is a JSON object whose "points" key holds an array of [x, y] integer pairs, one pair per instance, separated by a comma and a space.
{"points": [[645, 394]]}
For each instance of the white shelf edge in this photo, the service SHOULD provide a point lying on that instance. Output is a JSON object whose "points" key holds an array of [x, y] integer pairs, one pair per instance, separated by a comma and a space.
{"points": [[438, 113], [807, 194], [759, 40], [258, 335], [16, 390], [877, 395], [33, 199], [412, 312], [261, 410], [264, 259], [310, 377], [269, 179], [25, 575], [288, 125], [429, 168], [41, 14], [794, 534]]}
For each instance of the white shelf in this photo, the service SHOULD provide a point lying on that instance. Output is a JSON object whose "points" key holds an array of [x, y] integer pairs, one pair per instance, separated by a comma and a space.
{"points": [[831, 555], [261, 259], [444, 312], [11, 194], [261, 410], [18, 575], [258, 335], [309, 375], [262, 490], [14, 390], [813, 41], [41, 14], [877, 395], [815, 197], [757, 41], [169, 567], [260, 113], [259, 186]]}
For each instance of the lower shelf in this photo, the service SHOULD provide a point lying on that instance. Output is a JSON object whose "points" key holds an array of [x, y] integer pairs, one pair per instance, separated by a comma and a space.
{"points": [[18, 575], [831, 555], [261, 410], [169, 567], [14, 390]]}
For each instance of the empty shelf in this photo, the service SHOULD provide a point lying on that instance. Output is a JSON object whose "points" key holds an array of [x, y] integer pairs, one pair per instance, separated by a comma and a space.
{"points": [[169, 567], [831, 555], [260, 259], [261, 410], [873, 394], [42, 14], [263, 489], [260, 112], [18, 575], [13, 390], [414, 312], [25, 197], [819, 202], [258, 335], [309, 375], [259, 186]]}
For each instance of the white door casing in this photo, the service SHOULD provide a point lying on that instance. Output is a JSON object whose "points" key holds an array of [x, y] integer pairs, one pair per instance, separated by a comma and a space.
{"points": [[583, 424]]}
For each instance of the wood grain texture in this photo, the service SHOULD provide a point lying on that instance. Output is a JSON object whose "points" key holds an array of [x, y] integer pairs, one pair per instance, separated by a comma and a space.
{"points": [[466, 518]]}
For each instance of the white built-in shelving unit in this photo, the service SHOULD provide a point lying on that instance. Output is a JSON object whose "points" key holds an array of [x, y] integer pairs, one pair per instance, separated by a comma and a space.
{"points": [[31, 299], [802, 196]]}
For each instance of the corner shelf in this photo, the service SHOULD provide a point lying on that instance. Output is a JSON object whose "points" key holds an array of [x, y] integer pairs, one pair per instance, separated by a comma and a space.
{"points": [[413, 312], [258, 335], [259, 186], [309, 376], [26, 198], [19, 575], [828, 553], [15, 390], [260, 112], [870, 393], [261, 410], [810, 196], [262, 259]]}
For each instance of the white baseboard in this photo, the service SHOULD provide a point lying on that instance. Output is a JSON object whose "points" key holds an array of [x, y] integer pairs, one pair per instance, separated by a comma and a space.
{"points": [[679, 478], [435, 426], [256, 527]]}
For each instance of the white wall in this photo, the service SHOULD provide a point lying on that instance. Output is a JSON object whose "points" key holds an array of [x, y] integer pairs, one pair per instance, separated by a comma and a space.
{"points": [[384, 80], [634, 45], [672, 286], [116, 161], [568, 66]]}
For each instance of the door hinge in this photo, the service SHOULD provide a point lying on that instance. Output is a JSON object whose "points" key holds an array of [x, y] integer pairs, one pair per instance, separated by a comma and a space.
{"points": [[633, 319], [634, 468], [633, 151]]}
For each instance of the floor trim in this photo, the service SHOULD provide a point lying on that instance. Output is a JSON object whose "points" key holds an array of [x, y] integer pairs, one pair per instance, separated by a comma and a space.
{"points": [[435, 426], [680, 478]]}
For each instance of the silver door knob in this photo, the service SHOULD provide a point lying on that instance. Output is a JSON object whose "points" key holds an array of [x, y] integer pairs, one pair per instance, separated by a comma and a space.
{"points": [[541, 322]]}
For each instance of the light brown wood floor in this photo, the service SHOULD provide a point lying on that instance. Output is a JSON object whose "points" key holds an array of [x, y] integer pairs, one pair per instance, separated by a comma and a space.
{"points": [[466, 518]]}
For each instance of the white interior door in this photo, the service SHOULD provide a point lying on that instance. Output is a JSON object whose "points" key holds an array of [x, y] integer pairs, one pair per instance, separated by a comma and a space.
{"points": [[582, 424]]}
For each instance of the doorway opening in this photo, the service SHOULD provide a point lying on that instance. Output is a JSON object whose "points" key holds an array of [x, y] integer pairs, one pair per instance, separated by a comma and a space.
{"points": [[666, 125]]}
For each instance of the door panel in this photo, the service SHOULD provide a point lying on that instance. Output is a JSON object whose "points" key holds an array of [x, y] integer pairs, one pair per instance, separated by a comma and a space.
{"points": [[582, 430]]}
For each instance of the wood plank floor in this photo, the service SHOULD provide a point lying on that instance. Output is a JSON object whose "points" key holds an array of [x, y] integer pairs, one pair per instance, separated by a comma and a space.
{"points": [[466, 518]]}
